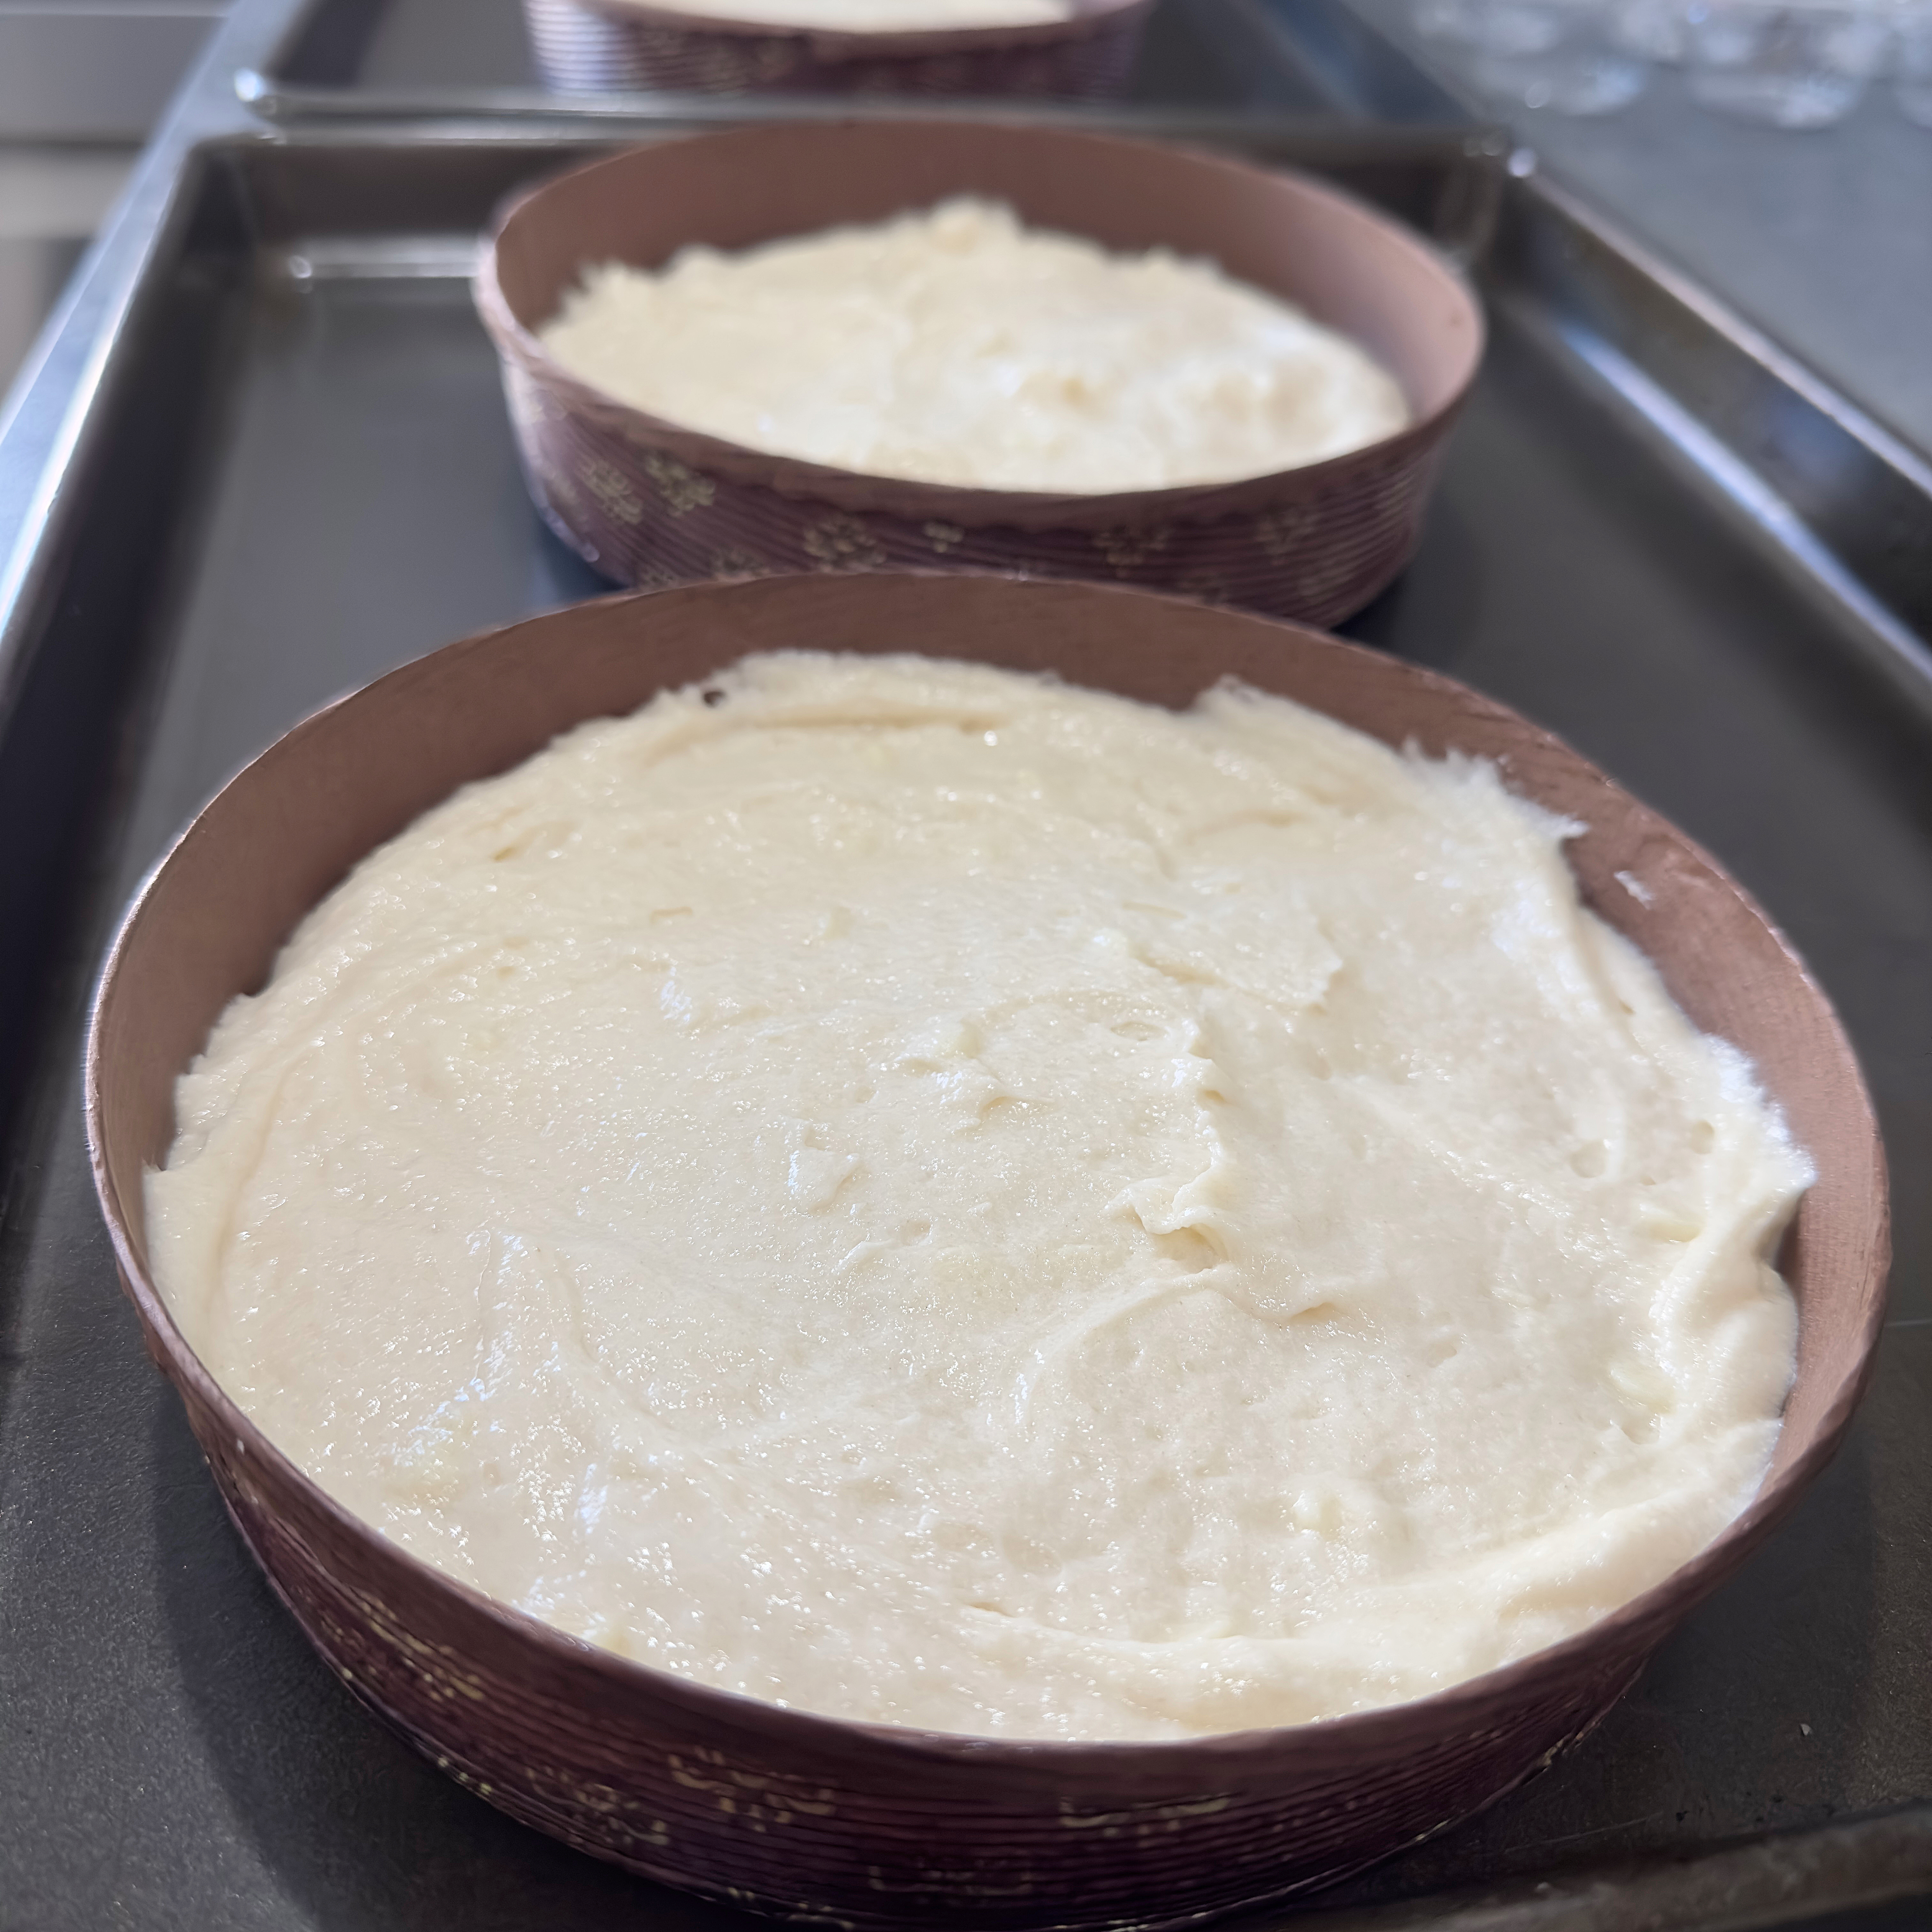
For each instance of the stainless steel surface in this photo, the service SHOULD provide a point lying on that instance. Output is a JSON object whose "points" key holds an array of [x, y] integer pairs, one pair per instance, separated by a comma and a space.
{"points": [[1835, 503], [51, 200], [1821, 237], [34, 269], [94, 69], [263, 455]]}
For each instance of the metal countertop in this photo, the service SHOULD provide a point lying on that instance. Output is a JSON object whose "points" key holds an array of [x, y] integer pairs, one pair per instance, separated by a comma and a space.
{"points": [[1823, 239]]}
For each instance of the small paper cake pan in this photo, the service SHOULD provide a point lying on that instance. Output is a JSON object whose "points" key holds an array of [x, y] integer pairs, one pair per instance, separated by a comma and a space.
{"points": [[649, 503]]}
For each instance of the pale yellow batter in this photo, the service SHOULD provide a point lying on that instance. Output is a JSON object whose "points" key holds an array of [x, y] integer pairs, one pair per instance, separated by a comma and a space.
{"points": [[957, 347], [933, 1196]]}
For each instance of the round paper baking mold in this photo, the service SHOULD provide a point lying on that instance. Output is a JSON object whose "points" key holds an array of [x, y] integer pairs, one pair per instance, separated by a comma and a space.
{"points": [[648, 502], [798, 1814]]}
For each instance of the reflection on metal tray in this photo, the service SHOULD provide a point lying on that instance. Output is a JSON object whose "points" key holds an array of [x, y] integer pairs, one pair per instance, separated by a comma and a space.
{"points": [[289, 469], [362, 57]]}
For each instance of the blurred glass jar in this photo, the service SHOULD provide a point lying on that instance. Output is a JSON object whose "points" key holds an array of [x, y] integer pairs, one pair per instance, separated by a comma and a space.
{"points": [[1655, 30], [1559, 54], [1792, 65]]}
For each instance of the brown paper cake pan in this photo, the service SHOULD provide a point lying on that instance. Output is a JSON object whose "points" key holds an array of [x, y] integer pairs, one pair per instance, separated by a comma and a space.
{"points": [[794, 1813], [600, 46], [649, 503]]}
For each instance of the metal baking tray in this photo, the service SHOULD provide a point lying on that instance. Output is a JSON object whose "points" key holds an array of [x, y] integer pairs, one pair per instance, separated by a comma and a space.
{"points": [[266, 458], [364, 57]]}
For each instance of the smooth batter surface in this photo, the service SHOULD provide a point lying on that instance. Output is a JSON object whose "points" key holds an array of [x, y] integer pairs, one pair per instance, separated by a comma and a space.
{"points": [[933, 1196], [955, 346]]}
